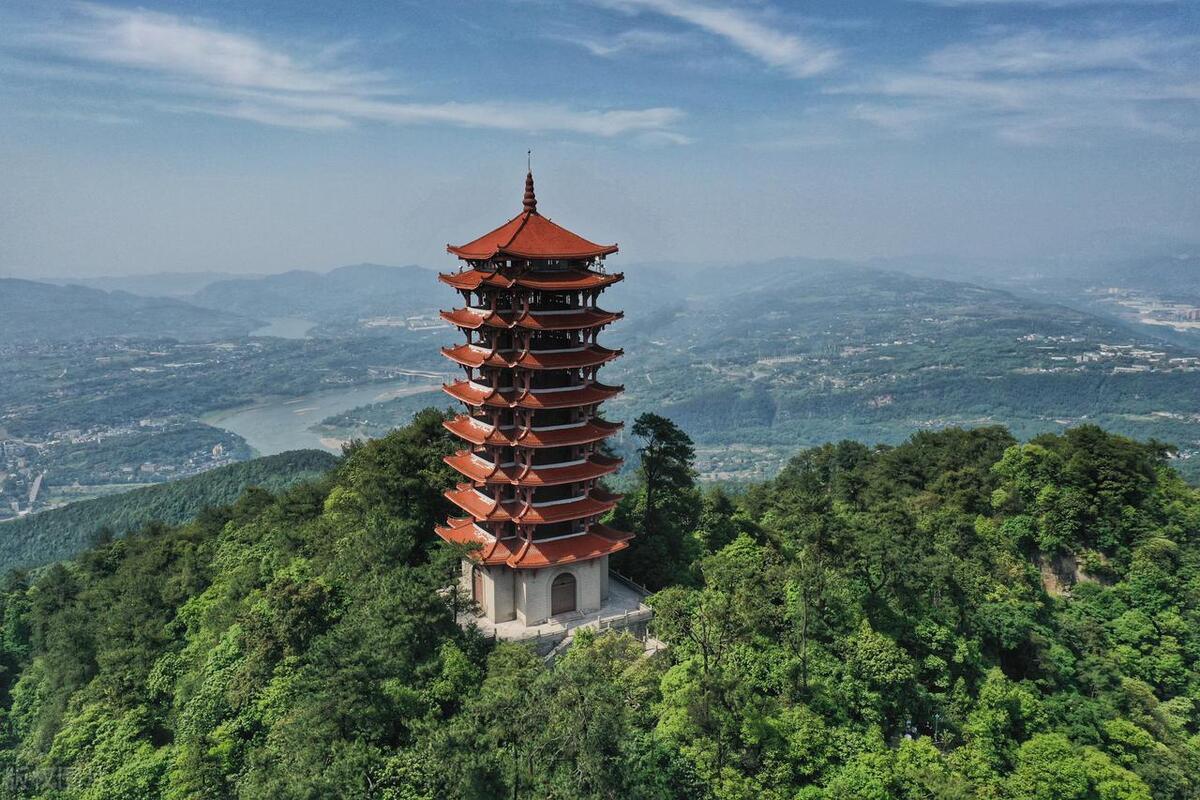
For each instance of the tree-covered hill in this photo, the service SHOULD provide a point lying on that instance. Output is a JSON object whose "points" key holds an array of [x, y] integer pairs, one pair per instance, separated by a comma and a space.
{"points": [[759, 360], [961, 616], [64, 532], [31, 311]]}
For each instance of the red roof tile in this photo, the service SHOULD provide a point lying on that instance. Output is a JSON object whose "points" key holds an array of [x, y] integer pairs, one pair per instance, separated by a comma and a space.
{"points": [[479, 432], [531, 236], [583, 547], [478, 469]]}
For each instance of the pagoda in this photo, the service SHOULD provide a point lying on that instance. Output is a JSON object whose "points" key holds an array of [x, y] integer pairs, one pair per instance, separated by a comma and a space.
{"points": [[532, 432]]}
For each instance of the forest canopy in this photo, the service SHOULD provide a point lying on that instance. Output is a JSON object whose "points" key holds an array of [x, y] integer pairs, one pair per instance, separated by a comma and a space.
{"points": [[959, 616]]}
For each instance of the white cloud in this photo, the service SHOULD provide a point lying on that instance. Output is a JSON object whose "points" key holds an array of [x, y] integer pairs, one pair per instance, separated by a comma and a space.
{"points": [[1037, 52], [1038, 87], [1046, 3], [239, 76], [168, 44], [791, 53], [633, 40]]}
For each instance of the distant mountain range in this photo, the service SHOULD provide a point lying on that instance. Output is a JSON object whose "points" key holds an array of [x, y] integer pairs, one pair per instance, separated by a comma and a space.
{"points": [[757, 360], [342, 295], [215, 305], [32, 311], [1177, 275], [155, 284]]}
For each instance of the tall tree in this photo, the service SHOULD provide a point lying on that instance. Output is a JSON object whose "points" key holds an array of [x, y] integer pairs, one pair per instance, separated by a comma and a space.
{"points": [[665, 508]]}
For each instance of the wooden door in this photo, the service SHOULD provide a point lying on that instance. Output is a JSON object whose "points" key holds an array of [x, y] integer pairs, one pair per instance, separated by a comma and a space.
{"points": [[562, 594]]}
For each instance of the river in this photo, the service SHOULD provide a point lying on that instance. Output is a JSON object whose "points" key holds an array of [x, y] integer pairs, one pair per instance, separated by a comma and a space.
{"points": [[278, 424], [285, 328]]}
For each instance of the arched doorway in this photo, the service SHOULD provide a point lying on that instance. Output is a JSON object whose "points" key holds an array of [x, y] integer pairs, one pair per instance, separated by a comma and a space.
{"points": [[477, 593], [562, 594]]}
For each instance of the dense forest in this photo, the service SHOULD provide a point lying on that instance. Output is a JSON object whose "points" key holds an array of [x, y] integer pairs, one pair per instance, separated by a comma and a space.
{"points": [[64, 532], [958, 616]]}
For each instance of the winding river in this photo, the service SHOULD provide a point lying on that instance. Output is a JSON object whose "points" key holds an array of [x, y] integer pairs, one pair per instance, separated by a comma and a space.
{"points": [[278, 424]]}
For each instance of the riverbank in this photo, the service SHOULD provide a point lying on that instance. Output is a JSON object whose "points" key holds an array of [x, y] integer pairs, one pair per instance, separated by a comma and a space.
{"points": [[277, 424]]}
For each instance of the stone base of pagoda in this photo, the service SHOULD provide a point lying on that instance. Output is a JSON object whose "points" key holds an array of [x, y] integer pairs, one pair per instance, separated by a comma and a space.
{"points": [[533, 596], [620, 607]]}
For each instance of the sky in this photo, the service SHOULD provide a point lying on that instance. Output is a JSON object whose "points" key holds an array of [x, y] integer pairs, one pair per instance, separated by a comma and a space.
{"points": [[260, 137]]}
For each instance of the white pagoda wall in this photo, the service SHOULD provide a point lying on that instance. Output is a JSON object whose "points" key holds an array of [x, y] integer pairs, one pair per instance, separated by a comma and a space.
{"points": [[524, 594]]}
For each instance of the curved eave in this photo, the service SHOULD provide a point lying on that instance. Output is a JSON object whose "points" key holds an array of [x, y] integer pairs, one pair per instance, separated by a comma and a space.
{"points": [[473, 319], [476, 432], [472, 430], [480, 470], [583, 320], [596, 393], [474, 356], [599, 540], [531, 236], [568, 281], [584, 434], [591, 356], [599, 251], [475, 395], [487, 549], [572, 549], [590, 505], [550, 281], [483, 509], [480, 508], [474, 278]]}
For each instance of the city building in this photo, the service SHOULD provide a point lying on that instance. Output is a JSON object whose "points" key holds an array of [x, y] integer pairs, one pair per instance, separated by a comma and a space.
{"points": [[532, 430]]}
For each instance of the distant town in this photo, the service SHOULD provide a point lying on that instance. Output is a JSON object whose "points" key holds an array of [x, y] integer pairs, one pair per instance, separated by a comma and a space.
{"points": [[1150, 309]]}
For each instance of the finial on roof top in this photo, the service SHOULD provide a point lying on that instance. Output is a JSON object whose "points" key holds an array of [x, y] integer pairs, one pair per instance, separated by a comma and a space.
{"points": [[530, 197]]}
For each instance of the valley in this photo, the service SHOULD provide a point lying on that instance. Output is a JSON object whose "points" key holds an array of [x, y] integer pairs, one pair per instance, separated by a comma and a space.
{"points": [[805, 352]]}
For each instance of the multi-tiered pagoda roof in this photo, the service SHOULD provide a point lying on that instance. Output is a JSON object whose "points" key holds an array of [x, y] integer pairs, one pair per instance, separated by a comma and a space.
{"points": [[532, 430]]}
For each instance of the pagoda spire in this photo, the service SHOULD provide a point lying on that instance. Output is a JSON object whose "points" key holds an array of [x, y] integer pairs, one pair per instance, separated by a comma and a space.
{"points": [[530, 197]]}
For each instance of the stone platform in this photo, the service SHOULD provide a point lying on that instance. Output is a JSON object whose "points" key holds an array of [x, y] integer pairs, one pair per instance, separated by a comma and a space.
{"points": [[623, 610]]}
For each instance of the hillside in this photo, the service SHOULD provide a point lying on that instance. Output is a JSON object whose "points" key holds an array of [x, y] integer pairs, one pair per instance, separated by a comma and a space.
{"points": [[957, 617], [154, 284], [341, 296], [758, 360], [64, 532], [1174, 275], [761, 360], [32, 311]]}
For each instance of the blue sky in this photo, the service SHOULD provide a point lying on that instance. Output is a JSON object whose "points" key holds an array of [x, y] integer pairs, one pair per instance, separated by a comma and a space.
{"points": [[264, 136]]}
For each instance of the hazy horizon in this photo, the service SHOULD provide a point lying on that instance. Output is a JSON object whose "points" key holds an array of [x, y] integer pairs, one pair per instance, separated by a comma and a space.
{"points": [[172, 136]]}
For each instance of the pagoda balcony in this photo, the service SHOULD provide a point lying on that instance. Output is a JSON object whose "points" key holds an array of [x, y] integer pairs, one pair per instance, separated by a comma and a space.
{"points": [[478, 432], [540, 280], [598, 540], [486, 509], [585, 395], [470, 355], [568, 281], [484, 471], [594, 504], [569, 319], [476, 394]]}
